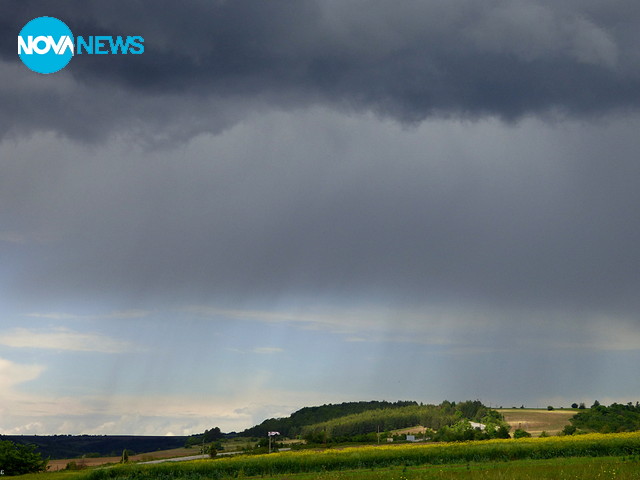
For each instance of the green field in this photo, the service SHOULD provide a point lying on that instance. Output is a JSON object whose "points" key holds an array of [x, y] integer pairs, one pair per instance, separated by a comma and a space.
{"points": [[600, 468], [622, 468]]}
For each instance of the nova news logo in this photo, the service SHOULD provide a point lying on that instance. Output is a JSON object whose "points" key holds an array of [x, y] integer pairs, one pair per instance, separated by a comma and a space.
{"points": [[46, 45]]}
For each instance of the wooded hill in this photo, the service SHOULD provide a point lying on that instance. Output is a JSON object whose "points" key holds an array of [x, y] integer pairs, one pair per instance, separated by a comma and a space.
{"points": [[353, 421], [292, 426], [432, 417]]}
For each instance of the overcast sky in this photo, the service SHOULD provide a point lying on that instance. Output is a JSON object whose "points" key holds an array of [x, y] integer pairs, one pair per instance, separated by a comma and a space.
{"points": [[288, 203]]}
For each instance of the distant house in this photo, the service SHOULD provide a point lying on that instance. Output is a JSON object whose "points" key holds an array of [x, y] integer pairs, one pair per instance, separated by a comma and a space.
{"points": [[481, 426], [411, 438]]}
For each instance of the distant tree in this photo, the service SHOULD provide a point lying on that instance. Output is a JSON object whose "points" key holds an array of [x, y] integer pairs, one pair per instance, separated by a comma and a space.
{"points": [[212, 435], [520, 433], [125, 456], [73, 465], [574, 405], [595, 404], [550, 408], [18, 459], [582, 406], [212, 451], [569, 430], [544, 434]]}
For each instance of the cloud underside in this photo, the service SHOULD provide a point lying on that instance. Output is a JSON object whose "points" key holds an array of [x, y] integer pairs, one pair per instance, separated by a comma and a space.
{"points": [[449, 330]]}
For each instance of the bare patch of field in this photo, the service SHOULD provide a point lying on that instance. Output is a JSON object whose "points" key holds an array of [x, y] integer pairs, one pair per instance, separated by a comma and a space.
{"points": [[410, 430], [537, 421], [60, 464]]}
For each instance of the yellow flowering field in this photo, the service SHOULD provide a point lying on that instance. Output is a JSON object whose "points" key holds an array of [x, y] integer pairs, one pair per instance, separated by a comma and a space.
{"points": [[374, 457]]}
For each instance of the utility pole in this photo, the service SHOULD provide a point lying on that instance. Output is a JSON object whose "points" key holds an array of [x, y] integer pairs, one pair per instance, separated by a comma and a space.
{"points": [[271, 434]]}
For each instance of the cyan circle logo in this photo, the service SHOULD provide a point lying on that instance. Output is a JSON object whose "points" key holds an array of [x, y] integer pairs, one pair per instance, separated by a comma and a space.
{"points": [[45, 45]]}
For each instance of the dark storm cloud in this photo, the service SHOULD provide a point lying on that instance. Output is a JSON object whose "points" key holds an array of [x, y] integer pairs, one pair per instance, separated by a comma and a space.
{"points": [[289, 203], [207, 64]]}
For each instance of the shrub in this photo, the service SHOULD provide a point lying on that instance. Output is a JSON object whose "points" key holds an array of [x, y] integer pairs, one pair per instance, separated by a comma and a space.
{"points": [[73, 465], [520, 433]]}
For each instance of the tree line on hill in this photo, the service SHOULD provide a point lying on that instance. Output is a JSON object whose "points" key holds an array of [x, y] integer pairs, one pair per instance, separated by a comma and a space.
{"points": [[74, 446]]}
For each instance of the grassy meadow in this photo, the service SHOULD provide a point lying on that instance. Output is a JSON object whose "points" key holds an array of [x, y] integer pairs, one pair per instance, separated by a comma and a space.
{"points": [[586, 457]]}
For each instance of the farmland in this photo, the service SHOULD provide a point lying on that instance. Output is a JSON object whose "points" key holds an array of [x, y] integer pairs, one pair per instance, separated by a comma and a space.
{"points": [[582, 456], [536, 421], [60, 464]]}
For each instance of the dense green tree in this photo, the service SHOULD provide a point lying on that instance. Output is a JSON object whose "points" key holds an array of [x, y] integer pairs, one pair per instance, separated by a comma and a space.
{"points": [[212, 435], [208, 436], [17, 459]]}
